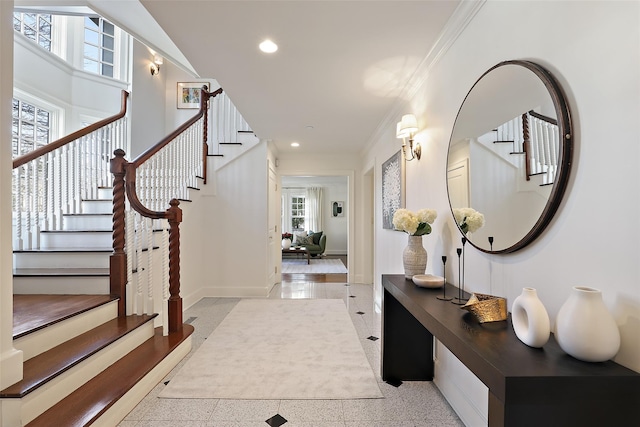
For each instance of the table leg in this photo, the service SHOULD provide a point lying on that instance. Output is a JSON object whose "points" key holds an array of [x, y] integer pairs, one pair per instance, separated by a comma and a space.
{"points": [[308, 259], [407, 346]]}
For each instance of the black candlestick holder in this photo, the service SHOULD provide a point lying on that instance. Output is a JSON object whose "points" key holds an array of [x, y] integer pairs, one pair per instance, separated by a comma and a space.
{"points": [[444, 296], [459, 300]]}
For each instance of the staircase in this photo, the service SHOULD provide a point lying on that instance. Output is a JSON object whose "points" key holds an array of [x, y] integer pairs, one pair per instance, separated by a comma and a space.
{"points": [[84, 364], [530, 144], [96, 342]]}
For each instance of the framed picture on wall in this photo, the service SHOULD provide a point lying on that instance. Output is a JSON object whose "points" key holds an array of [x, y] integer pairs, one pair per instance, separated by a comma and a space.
{"points": [[189, 93], [393, 196]]}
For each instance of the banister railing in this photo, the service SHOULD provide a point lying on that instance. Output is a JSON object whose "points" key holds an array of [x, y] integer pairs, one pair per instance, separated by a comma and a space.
{"points": [[157, 178], [536, 136], [54, 179]]}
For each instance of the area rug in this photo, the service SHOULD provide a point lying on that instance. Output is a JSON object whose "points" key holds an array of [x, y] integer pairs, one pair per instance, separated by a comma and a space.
{"points": [[315, 266], [279, 349]]}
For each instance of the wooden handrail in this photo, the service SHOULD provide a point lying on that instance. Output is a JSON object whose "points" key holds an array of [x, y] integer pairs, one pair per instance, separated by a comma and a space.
{"points": [[543, 117], [146, 155], [26, 158], [125, 182]]}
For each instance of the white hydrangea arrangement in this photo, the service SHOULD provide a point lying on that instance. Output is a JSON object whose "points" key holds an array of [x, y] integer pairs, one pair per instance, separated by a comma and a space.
{"points": [[468, 219], [415, 224]]}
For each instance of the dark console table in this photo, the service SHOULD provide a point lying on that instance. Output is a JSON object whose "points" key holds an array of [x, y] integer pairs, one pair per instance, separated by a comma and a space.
{"points": [[527, 386]]}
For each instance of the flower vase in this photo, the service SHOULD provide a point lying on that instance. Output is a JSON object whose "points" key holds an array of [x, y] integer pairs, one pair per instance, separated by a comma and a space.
{"points": [[414, 257], [530, 319], [585, 329], [286, 243]]}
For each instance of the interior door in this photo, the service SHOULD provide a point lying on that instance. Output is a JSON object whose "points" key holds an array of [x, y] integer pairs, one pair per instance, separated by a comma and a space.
{"points": [[273, 245], [458, 184]]}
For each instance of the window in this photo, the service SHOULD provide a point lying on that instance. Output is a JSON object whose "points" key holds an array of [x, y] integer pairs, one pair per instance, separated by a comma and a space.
{"points": [[34, 26], [99, 46], [30, 127], [297, 213]]}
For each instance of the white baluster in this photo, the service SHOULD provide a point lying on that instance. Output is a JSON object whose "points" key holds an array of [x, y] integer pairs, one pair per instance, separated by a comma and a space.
{"points": [[149, 309], [130, 250], [17, 177], [139, 304]]}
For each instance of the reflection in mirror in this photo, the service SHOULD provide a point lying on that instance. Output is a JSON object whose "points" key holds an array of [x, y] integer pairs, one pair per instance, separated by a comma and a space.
{"points": [[509, 154]]}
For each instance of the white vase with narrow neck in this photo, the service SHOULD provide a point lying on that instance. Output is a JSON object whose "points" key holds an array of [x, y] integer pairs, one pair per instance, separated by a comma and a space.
{"points": [[530, 319], [585, 328], [414, 257]]}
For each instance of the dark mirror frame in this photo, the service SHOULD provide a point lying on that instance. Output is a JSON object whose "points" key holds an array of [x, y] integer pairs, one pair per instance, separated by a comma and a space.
{"points": [[565, 155]]}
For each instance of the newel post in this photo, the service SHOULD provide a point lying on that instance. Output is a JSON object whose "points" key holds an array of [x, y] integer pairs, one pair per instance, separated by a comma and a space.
{"points": [[526, 144], [118, 259], [174, 215], [204, 98]]}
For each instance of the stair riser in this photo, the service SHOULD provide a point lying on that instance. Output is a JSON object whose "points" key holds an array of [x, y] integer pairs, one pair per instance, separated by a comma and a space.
{"points": [[40, 341], [61, 260], [88, 222], [105, 193], [48, 395], [76, 240], [97, 206], [116, 413], [74, 285]]}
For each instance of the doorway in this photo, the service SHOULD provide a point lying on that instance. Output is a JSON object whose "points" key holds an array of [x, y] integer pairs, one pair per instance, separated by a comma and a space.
{"points": [[307, 204]]}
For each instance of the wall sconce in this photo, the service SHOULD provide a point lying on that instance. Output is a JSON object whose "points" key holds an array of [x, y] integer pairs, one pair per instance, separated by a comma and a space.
{"points": [[155, 65], [406, 128]]}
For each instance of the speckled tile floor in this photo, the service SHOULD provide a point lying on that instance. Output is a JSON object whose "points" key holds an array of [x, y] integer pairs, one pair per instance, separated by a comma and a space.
{"points": [[412, 404]]}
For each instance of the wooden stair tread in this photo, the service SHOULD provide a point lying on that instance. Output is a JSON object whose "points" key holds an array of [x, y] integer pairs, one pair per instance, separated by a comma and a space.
{"points": [[34, 312], [63, 250], [89, 402], [60, 272], [46, 366]]}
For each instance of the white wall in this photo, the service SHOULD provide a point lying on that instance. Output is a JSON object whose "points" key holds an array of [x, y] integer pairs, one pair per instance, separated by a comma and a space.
{"points": [[234, 228], [592, 240]]}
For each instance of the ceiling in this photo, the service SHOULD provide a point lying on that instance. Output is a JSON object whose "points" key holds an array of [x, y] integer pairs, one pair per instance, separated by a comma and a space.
{"points": [[338, 77]]}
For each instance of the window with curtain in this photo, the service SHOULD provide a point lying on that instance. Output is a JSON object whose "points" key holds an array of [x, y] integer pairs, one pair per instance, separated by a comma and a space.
{"points": [[314, 208]]}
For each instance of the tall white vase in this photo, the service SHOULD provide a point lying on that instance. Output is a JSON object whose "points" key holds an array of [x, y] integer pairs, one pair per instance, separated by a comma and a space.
{"points": [[530, 319], [585, 329], [414, 257]]}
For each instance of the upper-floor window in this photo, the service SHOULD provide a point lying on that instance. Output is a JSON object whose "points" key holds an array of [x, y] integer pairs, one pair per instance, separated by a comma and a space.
{"points": [[30, 127], [99, 46], [34, 26]]}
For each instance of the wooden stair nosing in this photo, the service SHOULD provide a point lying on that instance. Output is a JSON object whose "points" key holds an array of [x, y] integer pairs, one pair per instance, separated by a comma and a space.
{"points": [[63, 250], [503, 142], [215, 155], [230, 143], [85, 405], [60, 272], [44, 367]]}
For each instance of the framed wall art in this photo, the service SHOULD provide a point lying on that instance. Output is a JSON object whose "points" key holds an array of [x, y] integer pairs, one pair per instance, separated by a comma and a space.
{"points": [[337, 209], [189, 94], [393, 191]]}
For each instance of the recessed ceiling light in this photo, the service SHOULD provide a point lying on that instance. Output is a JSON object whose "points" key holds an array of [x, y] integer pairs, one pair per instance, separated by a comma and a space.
{"points": [[309, 127], [268, 46], [295, 144]]}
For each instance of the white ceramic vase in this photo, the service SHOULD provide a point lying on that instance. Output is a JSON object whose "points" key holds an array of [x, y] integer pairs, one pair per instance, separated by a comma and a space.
{"points": [[530, 319], [414, 257], [286, 243], [585, 329]]}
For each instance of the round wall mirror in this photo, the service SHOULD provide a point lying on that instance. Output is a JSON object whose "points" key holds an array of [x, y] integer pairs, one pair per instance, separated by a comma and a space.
{"points": [[509, 156]]}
